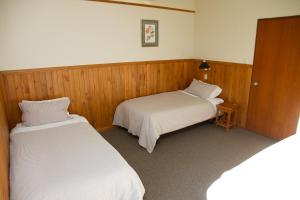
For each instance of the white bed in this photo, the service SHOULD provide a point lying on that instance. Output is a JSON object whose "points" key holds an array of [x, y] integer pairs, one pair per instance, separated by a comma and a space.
{"points": [[151, 116], [272, 174], [68, 160]]}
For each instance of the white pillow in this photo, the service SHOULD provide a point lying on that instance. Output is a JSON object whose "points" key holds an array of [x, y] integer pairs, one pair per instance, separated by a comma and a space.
{"points": [[203, 90], [36, 113], [216, 101], [216, 90]]}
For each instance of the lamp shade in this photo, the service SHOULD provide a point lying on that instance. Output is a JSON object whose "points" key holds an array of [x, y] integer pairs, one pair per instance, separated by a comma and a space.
{"points": [[204, 65]]}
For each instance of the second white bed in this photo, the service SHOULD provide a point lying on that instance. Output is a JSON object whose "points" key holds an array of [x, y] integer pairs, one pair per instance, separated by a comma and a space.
{"points": [[151, 116]]}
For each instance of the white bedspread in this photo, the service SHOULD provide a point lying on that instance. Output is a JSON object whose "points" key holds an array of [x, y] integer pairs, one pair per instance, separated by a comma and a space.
{"points": [[272, 174], [151, 116], [69, 162]]}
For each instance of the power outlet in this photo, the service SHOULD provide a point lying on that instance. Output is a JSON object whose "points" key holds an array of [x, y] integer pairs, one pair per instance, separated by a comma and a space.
{"points": [[205, 76]]}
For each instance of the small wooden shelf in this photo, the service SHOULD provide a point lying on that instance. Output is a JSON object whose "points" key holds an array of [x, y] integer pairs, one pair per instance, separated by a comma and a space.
{"points": [[226, 115]]}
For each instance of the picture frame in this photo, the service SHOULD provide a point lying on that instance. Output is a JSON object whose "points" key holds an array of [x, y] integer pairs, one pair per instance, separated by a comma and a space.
{"points": [[149, 33]]}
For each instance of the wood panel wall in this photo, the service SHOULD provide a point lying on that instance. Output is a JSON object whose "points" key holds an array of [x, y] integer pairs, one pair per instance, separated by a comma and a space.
{"points": [[95, 90], [235, 80], [4, 149]]}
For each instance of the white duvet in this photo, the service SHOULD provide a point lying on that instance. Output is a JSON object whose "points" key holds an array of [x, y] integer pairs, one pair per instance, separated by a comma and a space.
{"points": [[70, 161], [151, 116], [272, 174]]}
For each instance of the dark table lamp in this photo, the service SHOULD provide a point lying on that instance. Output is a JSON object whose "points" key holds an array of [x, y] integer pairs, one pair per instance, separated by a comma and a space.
{"points": [[204, 65]]}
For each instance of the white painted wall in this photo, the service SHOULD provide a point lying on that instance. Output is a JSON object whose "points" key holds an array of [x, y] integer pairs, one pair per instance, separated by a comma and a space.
{"points": [[43, 33], [226, 29]]}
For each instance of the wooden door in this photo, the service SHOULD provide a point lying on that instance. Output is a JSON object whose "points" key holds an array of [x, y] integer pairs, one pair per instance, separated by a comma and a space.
{"points": [[274, 103]]}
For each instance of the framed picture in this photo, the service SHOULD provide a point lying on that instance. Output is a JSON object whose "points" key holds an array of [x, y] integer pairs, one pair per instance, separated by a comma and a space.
{"points": [[149, 33]]}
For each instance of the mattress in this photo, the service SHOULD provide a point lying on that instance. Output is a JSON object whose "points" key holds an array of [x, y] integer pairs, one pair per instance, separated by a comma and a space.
{"points": [[151, 116], [68, 161], [273, 173]]}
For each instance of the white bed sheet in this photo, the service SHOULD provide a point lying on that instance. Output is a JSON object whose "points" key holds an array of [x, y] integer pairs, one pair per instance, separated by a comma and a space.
{"points": [[272, 174], [70, 161], [151, 116]]}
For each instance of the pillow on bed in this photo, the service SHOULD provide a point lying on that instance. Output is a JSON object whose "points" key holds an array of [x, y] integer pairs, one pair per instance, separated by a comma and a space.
{"points": [[216, 101], [36, 113], [203, 90]]}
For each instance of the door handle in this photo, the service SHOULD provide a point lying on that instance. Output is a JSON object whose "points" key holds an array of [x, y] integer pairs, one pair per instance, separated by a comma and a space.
{"points": [[255, 83]]}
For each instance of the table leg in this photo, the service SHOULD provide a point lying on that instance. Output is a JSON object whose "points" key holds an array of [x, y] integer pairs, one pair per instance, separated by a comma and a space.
{"points": [[235, 118], [228, 121]]}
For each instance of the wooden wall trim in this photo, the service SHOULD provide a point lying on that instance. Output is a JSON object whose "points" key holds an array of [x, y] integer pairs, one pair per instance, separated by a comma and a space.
{"points": [[4, 150], [213, 62], [144, 5], [45, 69]]}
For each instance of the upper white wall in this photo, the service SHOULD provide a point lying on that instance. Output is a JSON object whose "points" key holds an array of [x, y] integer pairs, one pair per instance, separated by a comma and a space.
{"points": [[226, 29], [183, 4], [43, 33]]}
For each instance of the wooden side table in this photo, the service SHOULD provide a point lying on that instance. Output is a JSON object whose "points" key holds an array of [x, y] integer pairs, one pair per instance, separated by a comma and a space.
{"points": [[228, 120]]}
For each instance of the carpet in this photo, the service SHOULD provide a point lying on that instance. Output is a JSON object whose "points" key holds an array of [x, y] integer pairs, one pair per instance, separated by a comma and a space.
{"points": [[186, 162]]}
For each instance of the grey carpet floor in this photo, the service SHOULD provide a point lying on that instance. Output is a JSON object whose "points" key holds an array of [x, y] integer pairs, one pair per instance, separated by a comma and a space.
{"points": [[185, 163]]}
